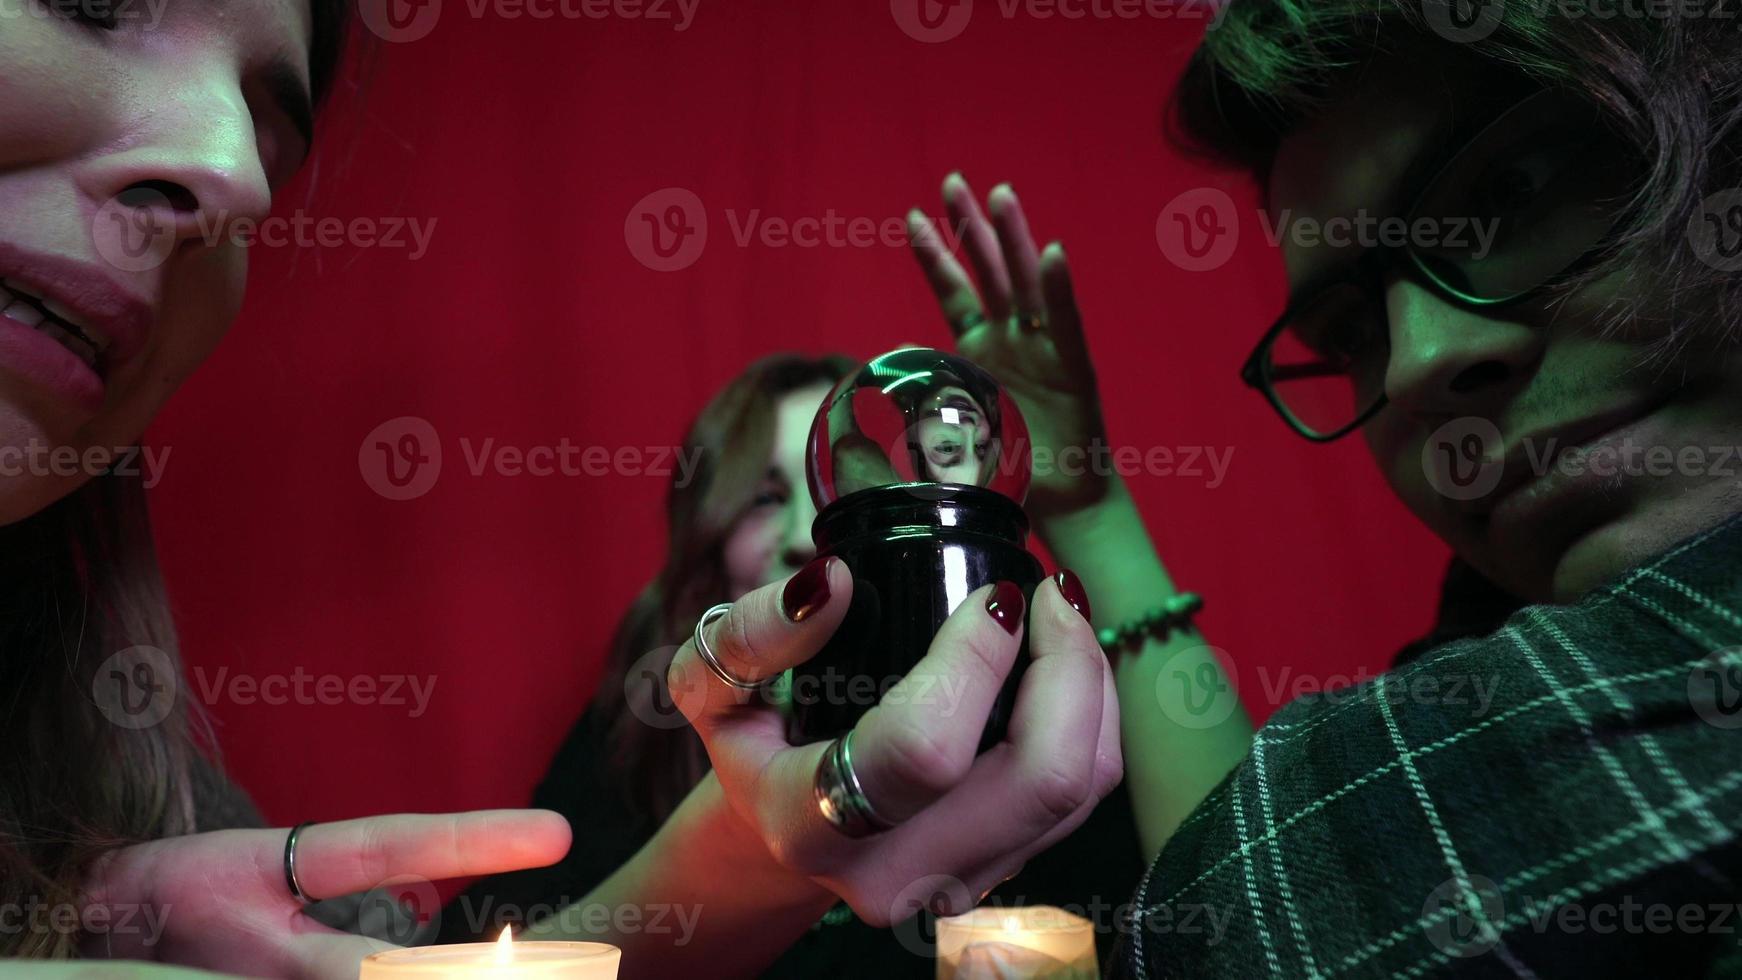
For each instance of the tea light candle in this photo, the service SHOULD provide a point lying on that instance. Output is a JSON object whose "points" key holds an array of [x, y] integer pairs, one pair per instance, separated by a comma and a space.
{"points": [[1034, 943], [500, 960]]}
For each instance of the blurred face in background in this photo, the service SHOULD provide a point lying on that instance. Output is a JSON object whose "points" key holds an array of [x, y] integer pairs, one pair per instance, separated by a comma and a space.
{"points": [[1577, 407], [130, 134], [772, 538]]}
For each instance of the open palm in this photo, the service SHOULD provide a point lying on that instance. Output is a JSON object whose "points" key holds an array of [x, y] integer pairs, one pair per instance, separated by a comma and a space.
{"points": [[1022, 325]]}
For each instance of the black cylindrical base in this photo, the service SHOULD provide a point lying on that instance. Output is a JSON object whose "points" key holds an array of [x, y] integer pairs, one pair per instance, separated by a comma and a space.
{"points": [[915, 551]]}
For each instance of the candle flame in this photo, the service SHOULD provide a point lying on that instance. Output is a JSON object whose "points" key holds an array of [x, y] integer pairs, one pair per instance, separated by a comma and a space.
{"points": [[1012, 923], [505, 946]]}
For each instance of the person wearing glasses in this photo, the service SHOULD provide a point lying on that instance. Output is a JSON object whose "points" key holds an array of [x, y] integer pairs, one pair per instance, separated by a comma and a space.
{"points": [[1559, 399]]}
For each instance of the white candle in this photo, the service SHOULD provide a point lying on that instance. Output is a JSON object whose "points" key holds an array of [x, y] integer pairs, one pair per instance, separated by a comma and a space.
{"points": [[1034, 943], [501, 960]]}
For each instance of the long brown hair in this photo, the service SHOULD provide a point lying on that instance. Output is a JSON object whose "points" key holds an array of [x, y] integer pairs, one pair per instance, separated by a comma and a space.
{"points": [[656, 765], [79, 585]]}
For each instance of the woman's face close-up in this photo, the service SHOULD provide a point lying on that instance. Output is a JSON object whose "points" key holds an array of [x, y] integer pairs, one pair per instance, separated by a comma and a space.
{"points": [[1575, 419], [132, 136], [772, 538]]}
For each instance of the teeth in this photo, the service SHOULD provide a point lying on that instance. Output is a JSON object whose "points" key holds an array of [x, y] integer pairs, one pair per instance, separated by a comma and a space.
{"points": [[67, 340], [60, 311], [28, 309], [24, 313]]}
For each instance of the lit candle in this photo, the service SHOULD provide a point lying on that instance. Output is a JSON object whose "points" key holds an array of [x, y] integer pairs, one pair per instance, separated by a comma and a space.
{"points": [[1035, 943], [500, 960]]}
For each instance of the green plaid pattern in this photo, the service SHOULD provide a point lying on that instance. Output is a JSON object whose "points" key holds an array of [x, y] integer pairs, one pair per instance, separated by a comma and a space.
{"points": [[1561, 797]]}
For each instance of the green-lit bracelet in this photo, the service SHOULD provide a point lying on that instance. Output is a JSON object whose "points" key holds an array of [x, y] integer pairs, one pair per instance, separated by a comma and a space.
{"points": [[1176, 612]]}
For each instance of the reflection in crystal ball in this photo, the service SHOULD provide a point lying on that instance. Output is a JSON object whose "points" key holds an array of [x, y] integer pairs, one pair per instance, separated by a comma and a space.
{"points": [[917, 416]]}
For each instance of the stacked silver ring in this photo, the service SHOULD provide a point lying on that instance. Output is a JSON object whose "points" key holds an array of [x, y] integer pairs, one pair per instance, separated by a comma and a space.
{"points": [[840, 798], [706, 652]]}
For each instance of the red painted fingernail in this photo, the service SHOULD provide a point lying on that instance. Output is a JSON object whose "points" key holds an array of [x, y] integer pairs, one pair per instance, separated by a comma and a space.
{"points": [[1006, 605], [1072, 589], [807, 591]]}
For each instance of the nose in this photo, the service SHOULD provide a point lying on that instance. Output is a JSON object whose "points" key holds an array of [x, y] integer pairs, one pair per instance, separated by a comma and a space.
{"points": [[796, 547], [1448, 360], [191, 164]]}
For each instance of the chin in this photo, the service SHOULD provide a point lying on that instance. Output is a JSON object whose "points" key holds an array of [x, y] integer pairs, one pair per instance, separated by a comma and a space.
{"points": [[1598, 555], [1588, 564], [1638, 536], [23, 497], [22, 492]]}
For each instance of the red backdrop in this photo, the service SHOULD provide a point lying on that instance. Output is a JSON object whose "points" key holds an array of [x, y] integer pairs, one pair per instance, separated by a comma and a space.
{"points": [[529, 320]]}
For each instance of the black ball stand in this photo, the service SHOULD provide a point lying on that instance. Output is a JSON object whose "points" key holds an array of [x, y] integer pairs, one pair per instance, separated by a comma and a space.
{"points": [[914, 549]]}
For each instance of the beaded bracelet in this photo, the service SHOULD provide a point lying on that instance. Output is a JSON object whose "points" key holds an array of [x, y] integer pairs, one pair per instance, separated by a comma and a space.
{"points": [[1176, 612]]}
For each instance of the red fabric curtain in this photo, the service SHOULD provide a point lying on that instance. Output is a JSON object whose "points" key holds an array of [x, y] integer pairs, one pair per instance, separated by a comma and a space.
{"points": [[363, 654]]}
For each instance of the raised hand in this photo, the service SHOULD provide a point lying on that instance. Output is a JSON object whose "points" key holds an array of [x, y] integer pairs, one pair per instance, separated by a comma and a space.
{"points": [[1022, 325], [962, 822]]}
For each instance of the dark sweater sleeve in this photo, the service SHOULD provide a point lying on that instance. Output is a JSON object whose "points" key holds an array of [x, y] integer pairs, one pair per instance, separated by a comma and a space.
{"points": [[607, 833]]}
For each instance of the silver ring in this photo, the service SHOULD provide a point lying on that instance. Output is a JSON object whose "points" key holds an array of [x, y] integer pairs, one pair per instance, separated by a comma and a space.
{"points": [[290, 877], [707, 653], [840, 797]]}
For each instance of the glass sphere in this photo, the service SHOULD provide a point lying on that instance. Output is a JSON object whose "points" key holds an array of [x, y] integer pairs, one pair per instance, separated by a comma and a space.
{"points": [[917, 415]]}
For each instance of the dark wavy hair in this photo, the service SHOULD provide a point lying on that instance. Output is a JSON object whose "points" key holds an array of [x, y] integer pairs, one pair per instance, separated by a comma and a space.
{"points": [[1671, 86], [656, 767]]}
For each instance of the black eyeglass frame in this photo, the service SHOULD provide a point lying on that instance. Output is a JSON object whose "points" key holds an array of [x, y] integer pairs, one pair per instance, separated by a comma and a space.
{"points": [[1368, 274]]}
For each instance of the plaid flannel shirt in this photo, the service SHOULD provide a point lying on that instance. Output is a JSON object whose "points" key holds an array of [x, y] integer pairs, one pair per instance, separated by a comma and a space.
{"points": [[1580, 819]]}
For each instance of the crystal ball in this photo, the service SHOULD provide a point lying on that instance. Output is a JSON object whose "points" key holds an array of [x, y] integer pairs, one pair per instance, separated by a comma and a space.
{"points": [[917, 416]]}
